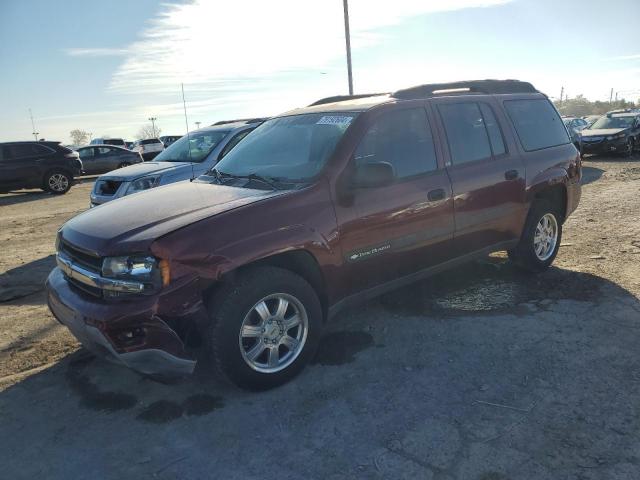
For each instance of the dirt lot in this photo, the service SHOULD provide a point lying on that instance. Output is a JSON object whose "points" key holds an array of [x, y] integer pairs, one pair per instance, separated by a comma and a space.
{"points": [[482, 373]]}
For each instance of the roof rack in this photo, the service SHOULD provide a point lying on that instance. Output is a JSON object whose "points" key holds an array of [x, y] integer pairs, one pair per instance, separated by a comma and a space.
{"points": [[469, 86], [342, 98], [237, 120]]}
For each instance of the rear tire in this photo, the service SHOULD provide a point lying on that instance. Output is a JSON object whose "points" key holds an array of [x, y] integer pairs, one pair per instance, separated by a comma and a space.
{"points": [[265, 327], [540, 238], [57, 182]]}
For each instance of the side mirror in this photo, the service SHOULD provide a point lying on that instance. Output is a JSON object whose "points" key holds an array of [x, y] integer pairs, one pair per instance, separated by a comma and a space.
{"points": [[369, 175]]}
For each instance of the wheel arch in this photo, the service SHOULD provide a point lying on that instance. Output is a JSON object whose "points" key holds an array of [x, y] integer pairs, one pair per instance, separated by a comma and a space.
{"points": [[555, 193]]}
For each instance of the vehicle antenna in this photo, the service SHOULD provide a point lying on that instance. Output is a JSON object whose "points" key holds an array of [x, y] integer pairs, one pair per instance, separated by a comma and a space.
{"points": [[186, 122]]}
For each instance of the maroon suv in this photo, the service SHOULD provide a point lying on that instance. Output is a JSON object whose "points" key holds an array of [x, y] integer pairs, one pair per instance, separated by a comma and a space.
{"points": [[316, 209]]}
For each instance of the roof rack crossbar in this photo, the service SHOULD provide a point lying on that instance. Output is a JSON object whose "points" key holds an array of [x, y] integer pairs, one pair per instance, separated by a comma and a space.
{"points": [[342, 98], [470, 86], [237, 120]]}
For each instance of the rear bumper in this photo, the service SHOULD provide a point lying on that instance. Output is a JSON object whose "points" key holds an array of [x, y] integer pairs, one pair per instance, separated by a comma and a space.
{"points": [[130, 333]]}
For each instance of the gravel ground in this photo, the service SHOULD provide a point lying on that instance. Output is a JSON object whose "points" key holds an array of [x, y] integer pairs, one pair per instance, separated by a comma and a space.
{"points": [[480, 373]]}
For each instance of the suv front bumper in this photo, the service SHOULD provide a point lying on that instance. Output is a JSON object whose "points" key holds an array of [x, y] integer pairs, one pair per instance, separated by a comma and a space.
{"points": [[131, 333]]}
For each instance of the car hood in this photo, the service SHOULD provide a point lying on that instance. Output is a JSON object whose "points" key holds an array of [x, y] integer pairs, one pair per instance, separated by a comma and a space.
{"points": [[130, 224], [138, 170], [588, 132]]}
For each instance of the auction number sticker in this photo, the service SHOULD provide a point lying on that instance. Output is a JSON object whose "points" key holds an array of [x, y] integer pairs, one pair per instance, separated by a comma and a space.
{"points": [[334, 120]]}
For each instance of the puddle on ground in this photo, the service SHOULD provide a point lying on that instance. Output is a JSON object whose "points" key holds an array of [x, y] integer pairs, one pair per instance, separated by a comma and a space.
{"points": [[201, 404], [164, 411], [491, 285], [338, 348], [90, 395]]}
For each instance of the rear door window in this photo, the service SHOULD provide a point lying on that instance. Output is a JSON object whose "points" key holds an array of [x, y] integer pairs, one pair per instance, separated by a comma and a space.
{"points": [[466, 133], [86, 153], [537, 123], [403, 139]]}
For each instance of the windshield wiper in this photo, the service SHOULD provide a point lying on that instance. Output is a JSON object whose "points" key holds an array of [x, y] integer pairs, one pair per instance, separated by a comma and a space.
{"points": [[271, 182]]}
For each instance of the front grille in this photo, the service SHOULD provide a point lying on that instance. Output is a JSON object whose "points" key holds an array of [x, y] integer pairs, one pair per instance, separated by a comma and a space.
{"points": [[107, 187], [82, 258], [93, 291]]}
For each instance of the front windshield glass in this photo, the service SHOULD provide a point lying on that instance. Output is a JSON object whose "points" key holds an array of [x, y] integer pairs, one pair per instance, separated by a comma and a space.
{"points": [[612, 122], [291, 148], [200, 143]]}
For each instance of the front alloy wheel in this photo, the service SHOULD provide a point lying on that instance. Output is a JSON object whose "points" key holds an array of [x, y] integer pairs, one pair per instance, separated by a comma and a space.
{"points": [[273, 333], [266, 325]]}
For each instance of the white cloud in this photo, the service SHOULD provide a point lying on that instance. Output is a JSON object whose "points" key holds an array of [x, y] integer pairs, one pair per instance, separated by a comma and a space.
{"points": [[96, 52], [626, 57], [201, 42]]}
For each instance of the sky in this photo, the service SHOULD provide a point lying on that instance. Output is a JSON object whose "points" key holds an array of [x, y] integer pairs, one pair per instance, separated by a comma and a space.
{"points": [[106, 67]]}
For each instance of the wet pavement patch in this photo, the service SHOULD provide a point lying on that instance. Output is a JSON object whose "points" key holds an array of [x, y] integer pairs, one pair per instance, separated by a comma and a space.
{"points": [[91, 396], [162, 411], [493, 285], [201, 404], [338, 348]]}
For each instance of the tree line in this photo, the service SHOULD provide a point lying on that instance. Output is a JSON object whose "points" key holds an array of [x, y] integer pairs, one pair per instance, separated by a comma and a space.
{"points": [[579, 106]]}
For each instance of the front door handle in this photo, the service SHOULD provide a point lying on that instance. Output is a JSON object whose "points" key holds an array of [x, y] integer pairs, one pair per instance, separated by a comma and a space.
{"points": [[437, 194], [511, 174]]}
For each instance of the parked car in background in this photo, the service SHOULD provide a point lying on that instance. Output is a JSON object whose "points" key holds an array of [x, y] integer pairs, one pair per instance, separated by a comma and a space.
{"points": [[169, 139], [104, 158], [590, 119], [185, 159], [45, 165], [149, 148], [574, 127], [108, 141], [317, 209], [613, 133]]}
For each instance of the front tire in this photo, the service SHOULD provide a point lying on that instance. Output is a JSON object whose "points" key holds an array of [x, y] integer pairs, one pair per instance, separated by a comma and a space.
{"points": [[540, 238], [265, 328], [57, 182]]}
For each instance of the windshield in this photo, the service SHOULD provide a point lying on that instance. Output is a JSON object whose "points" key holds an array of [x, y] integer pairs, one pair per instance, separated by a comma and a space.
{"points": [[612, 122], [200, 143], [291, 148]]}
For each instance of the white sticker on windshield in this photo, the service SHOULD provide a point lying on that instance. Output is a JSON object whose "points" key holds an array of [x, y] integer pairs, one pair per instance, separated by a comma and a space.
{"points": [[334, 120]]}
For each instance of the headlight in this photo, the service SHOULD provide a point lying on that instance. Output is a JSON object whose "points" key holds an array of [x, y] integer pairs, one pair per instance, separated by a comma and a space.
{"points": [[144, 183], [148, 273]]}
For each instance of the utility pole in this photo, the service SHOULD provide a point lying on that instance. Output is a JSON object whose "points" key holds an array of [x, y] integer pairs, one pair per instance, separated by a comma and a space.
{"points": [[561, 94], [197, 124], [153, 124], [33, 132], [347, 37], [616, 96], [611, 95]]}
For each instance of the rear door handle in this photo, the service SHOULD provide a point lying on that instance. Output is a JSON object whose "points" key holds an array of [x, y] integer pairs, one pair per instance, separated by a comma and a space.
{"points": [[511, 174], [437, 194]]}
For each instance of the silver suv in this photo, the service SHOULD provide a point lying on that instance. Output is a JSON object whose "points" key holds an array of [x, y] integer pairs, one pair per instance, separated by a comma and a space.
{"points": [[185, 159]]}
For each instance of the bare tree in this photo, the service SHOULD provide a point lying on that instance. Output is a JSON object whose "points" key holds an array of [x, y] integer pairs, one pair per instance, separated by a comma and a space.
{"points": [[146, 131], [79, 137]]}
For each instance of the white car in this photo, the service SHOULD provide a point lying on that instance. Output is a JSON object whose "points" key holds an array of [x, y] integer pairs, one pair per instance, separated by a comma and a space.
{"points": [[148, 148]]}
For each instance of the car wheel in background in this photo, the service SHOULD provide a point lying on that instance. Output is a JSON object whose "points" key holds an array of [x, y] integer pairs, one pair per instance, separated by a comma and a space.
{"points": [[57, 182], [265, 328], [630, 148], [540, 239]]}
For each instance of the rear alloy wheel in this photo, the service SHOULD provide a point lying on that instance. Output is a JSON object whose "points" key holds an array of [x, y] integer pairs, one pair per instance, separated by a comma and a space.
{"points": [[540, 238], [266, 325], [124, 164], [57, 182], [629, 149]]}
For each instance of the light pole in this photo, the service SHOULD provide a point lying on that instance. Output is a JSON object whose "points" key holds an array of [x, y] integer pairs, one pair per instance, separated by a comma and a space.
{"points": [[33, 127], [197, 124], [347, 36], [153, 124]]}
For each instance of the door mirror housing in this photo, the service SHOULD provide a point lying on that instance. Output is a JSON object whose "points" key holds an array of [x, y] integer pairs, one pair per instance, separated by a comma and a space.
{"points": [[369, 175]]}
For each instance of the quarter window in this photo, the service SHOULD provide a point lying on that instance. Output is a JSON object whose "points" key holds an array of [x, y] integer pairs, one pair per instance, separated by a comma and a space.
{"points": [[537, 123], [466, 132], [403, 139]]}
